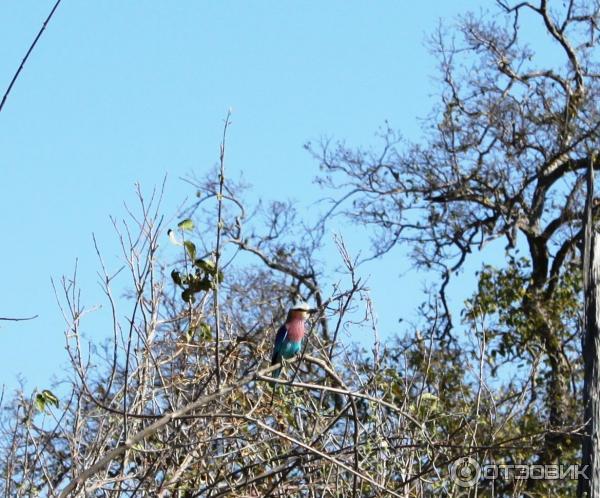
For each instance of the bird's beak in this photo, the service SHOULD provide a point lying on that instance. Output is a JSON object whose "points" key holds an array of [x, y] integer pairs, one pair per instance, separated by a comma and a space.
{"points": [[308, 313]]}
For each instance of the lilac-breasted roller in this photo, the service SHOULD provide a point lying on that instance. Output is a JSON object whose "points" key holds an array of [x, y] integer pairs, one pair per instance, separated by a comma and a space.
{"points": [[288, 340]]}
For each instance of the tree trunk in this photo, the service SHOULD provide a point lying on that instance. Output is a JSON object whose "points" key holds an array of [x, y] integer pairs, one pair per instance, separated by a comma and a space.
{"points": [[590, 482]]}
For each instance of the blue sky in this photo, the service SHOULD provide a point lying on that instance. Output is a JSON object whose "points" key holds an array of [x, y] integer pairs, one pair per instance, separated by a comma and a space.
{"points": [[122, 92]]}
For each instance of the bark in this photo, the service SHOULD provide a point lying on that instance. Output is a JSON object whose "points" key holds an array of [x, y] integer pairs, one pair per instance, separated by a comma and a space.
{"points": [[590, 486]]}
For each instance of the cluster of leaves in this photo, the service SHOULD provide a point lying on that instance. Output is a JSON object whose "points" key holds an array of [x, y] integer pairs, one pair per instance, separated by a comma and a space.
{"points": [[200, 274], [515, 341], [500, 304], [44, 399]]}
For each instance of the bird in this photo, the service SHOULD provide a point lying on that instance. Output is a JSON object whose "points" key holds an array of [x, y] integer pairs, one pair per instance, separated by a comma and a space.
{"points": [[288, 340]]}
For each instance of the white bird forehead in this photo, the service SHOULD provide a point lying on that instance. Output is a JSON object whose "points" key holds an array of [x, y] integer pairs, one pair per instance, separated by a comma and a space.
{"points": [[300, 306]]}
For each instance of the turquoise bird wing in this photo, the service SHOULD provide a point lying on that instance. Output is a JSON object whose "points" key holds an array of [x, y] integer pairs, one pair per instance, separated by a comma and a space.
{"points": [[279, 344]]}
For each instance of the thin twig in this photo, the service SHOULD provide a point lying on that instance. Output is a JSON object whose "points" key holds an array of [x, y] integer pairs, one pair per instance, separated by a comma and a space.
{"points": [[7, 319], [109, 456], [12, 82], [218, 249]]}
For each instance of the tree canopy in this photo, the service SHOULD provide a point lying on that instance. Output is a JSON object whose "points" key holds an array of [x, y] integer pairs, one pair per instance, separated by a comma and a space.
{"points": [[180, 401]]}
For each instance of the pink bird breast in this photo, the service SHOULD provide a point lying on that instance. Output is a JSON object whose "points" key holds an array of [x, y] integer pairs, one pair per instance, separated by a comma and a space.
{"points": [[295, 328]]}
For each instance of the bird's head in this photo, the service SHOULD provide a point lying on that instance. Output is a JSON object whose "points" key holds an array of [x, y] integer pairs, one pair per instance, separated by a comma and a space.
{"points": [[299, 309]]}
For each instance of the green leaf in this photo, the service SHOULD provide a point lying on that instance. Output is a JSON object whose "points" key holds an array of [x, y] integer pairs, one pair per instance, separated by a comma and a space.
{"points": [[202, 330], [175, 275], [429, 398], [188, 296], [191, 249], [40, 402], [198, 285], [173, 238], [46, 397], [189, 334], [186, 224], [205, 331], [50, 397], [205, 265], [429, 403]]}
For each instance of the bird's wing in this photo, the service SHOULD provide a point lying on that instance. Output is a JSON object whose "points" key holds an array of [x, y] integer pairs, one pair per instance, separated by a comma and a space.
{"points": [[279, 339]]}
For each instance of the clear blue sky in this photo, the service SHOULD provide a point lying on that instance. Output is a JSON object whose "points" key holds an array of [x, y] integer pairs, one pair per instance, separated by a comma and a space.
{"points": [[121, 92]]}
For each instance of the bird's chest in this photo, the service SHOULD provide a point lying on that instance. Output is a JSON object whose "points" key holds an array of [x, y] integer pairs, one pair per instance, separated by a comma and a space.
{"points": [[290, 348]]}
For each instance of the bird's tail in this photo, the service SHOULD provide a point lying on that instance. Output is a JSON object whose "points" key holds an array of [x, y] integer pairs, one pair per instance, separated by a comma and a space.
{"points": [[275, 374], [274, 361]]}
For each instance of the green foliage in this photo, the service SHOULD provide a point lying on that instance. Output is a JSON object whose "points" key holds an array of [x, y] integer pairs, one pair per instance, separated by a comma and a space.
{"points": [[199, 275], [521, 324], [44, 399], [500, 305], [192, 283], [186, 224], [190, 249], [200, 331]]}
